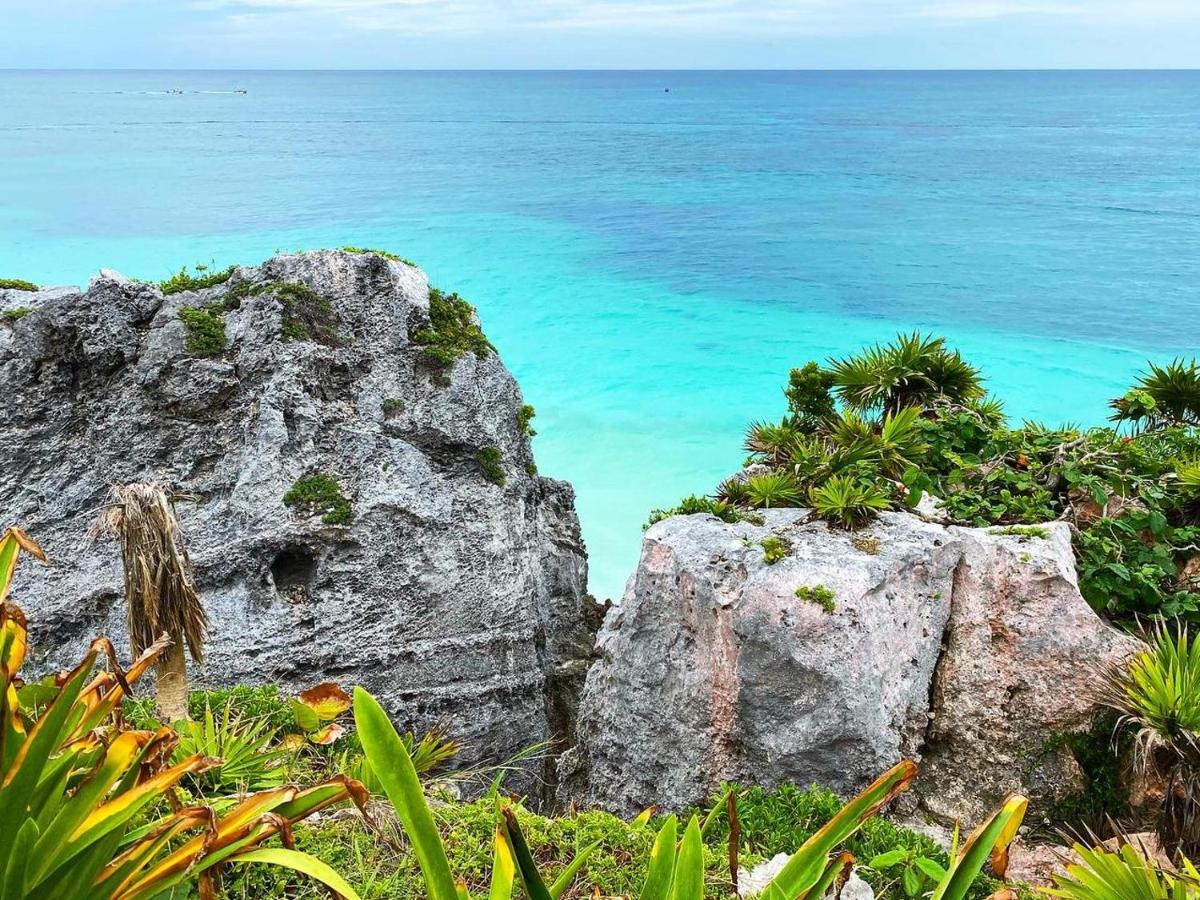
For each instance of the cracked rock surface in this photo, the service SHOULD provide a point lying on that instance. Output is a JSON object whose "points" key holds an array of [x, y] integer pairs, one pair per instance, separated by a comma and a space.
{"points": [[455, 599]]}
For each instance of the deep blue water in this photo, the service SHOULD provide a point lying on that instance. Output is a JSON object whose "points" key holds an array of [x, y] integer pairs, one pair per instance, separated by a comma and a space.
{"points": [[651, 262]]}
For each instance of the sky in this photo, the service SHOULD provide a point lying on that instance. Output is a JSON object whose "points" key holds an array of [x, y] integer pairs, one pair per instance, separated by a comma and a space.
{"points": [[621, 34]]}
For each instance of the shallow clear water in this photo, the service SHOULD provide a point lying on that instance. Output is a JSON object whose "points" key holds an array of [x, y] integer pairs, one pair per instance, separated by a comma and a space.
{"points": [[650, 262]]}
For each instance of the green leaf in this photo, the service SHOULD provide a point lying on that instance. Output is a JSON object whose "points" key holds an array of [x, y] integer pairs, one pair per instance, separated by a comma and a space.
{"points": [[889, 859], [689, 867], [930, 868], [912, 881], [567, 877], [535, 888], [504, 868], [303, 863], [662, 862], [393, 767]]}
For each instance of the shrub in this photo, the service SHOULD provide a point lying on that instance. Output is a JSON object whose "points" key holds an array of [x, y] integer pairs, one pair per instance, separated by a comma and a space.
{"points": [[17, 284], [453, 330], [691, 505], [1165, 396], [490, 461], [391, 406], [809, 396], [183, 280], [914, 370], [17, 313], [320, 493], [818, 594], [205, 331], [524, 417], [307, 315]]}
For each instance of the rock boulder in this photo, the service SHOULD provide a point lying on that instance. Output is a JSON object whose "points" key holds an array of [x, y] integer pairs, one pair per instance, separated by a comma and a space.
{"points": [[456, 589]]}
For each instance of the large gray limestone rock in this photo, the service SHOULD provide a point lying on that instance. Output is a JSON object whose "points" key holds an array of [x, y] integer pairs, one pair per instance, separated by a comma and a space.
{"points": [[453, 598], [714, 668]]}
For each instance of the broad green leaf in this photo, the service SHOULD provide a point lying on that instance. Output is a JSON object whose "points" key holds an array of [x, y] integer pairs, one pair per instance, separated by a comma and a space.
{"points": [[889, 859], [535, 888], [503, 868], [393, 767], [303, 863], [966, 864]]}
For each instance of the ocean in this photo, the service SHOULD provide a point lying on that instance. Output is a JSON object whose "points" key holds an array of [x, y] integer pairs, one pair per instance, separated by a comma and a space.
{"points": [[651, 252]]}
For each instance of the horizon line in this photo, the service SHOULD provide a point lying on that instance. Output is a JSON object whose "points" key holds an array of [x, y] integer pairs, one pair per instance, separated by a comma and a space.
{"points": [[600, 69]]}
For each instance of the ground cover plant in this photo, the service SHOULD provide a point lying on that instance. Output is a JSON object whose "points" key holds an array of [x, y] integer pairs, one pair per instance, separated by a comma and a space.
{"points": [[878, 429]]}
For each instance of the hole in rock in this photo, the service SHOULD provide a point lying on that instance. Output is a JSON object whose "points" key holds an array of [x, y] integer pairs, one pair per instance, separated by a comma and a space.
{"points": [[293, 571]]}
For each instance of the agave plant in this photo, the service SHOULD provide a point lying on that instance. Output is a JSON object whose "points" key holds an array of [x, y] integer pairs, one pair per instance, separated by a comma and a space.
{"points": [[1124, 874], [1157, 695], [1166, 395], [846, 503], [773, 489], [72, 782], [913, 370]]}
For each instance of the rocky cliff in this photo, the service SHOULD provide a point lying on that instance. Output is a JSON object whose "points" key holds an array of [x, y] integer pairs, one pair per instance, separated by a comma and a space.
{"points": [[965, 649], [355, 480]]}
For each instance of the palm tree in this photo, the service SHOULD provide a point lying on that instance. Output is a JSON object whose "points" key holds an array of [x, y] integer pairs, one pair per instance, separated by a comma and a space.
{"points": [[160, 591]]}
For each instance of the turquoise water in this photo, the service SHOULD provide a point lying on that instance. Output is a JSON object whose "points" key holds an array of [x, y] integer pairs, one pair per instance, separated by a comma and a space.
{"points": [[651, 262]]}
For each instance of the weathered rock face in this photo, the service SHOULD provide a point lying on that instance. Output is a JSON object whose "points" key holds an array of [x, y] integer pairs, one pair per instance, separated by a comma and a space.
{"points": [[718, 666], [450, 596]]}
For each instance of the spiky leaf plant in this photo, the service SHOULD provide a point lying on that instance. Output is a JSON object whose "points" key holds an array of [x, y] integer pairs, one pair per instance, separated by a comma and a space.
{"points": [[160, 591], [72, 782], [1124, 874], [246, 759], [773, 489], [1157, 696], [847, 503], [913, 370], [769, 442], [1166, 395]]}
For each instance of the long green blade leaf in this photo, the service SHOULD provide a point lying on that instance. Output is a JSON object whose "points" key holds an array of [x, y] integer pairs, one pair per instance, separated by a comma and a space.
{"points": [[303, 863], [689, 867], [393, 766], [662, 862]]}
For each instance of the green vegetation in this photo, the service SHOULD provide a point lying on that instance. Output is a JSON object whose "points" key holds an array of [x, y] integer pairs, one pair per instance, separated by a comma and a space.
{"points": [[876, 430], [384, 253], [17, 313], [818, 594], [691, 505], [453, 330], [524, 417], [204, 277], [205, 331], [1104, 797], [17, 284], [391, 406], [490, 463], [307, 315], [1024, 532], [320, 493], [775, 548]]}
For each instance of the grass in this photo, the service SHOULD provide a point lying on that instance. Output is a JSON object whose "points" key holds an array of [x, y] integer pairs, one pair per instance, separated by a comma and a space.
{"points": [[453, 330], [490, 459], [184, 280], [384, 253], [818, 594], [321, 493], [17, 313], [17, 284]]}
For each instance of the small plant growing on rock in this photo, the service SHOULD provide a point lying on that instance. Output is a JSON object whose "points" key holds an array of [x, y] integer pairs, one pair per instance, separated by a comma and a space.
{"points": [[17, 313], [183, 280], [846, 503], [866, 543], [386, 254], [391, 406], [524, 417], [490, 459], [818, 594], [321, 493], [1023, 533], [17, 284], [775, 548], [691, 505], [205, 331], [307, 315], [773, 489], [453, 330]]}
